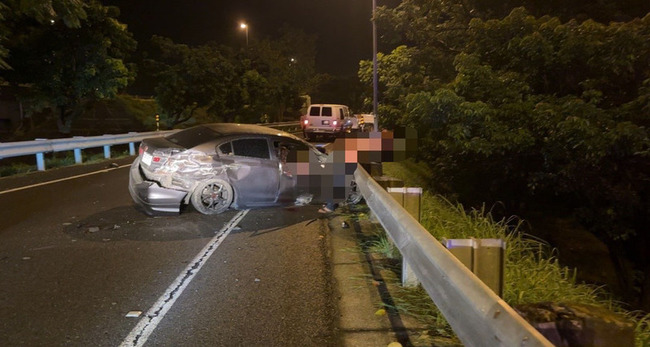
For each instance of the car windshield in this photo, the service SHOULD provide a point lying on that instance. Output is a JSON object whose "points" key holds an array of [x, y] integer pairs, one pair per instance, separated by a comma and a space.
{"points": [[193, 137]]}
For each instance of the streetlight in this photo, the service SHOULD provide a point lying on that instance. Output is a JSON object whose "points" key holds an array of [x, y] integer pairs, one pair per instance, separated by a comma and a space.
{"points": [[375, 91], [244, 26]]}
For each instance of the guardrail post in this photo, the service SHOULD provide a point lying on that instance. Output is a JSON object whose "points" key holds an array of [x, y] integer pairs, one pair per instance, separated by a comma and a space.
{"points": [[40, 159], [40, 162], [107, 151], [78, 159], [410, 199], [131, 148]]}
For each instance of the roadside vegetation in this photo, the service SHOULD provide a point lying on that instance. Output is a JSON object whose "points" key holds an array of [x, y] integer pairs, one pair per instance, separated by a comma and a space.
{"points": [[532, 272], [539, 107]]}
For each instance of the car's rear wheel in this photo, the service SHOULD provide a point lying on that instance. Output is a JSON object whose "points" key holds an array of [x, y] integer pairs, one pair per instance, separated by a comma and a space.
{"points": [[212, 197]]}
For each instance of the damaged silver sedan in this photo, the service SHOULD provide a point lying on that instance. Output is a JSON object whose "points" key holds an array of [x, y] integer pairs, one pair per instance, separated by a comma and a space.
{"points": [[215, 167]]}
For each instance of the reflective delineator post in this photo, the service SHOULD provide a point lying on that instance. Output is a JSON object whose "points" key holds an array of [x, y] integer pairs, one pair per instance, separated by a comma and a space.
{"points": [[462, 249], [489, 261], [485, 257]]}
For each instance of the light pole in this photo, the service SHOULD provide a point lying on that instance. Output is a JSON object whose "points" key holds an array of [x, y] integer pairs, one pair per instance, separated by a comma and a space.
{"points": [[375, 91], [244, 26]]}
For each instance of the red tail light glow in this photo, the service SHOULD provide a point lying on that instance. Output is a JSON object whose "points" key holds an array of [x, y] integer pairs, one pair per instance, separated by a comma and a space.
{"points": [[156, 159], [306, 121], [335, 123]]}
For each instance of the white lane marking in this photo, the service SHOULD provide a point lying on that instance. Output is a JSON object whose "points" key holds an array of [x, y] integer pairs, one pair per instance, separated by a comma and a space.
{"points": [[62, 179], [148, 323]]}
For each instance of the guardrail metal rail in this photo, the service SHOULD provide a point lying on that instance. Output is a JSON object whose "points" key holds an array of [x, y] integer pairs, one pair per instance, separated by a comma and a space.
{"points": [[39, 147], [477, 315]]}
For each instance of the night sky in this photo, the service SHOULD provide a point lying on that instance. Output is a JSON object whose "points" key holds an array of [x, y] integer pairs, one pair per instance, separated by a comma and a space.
{"points": [[343, 27]]}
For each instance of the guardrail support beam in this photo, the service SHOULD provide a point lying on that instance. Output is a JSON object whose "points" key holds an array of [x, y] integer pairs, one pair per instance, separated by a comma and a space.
{"points": [[107, 152], [410, 199], [40, 162], [78, 159], [131, 148]]}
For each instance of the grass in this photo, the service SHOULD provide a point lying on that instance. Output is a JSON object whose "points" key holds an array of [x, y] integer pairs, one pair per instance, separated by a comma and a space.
{"points": [[532, 272]]}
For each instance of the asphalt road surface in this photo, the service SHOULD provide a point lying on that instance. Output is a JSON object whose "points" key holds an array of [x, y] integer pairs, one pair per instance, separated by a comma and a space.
{"points": [[76, 258]]}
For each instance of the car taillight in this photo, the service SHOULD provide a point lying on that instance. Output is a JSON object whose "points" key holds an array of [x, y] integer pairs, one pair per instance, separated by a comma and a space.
{"points": [[335, 123], [306, 121], [142, 149], [156, 159]]}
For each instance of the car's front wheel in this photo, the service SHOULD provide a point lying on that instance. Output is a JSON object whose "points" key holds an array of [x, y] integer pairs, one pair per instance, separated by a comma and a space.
{"points": [[212, 197]]}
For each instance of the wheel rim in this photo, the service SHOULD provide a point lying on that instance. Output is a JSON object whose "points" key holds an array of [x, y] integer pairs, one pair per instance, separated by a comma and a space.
{"points": [[214, 196]]}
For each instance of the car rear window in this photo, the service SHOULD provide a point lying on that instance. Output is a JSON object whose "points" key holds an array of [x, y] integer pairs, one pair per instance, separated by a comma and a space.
{"points": [[193, 137], [314, 111], [256, 148], [327, 112]]}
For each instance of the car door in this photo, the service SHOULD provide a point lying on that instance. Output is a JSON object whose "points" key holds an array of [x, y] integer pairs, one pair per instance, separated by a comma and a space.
{"points": [[293, 157], [252, 171]]}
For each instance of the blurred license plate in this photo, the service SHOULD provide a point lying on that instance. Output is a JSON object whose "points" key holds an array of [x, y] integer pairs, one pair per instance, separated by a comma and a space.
{"points": [[326, 122], [146, 158]]}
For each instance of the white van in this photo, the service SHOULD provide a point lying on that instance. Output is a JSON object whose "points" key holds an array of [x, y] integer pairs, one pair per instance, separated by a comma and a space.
{"points": [[326, 119]]}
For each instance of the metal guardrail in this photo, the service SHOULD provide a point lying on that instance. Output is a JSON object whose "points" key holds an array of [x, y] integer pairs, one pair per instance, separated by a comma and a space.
{"points": [[476, 314], [39, 147], [76, 144], [281, 124]]}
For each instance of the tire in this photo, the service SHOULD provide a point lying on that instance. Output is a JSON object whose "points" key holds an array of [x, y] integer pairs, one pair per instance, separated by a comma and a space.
{"points": [[306, 136], [212, 197]]}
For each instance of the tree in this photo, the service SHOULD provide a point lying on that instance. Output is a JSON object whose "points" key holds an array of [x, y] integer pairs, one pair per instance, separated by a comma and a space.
{"points": [[190, 78], [71, 12], [525, 109], [66, 67], [265, 82], [287, 64]]}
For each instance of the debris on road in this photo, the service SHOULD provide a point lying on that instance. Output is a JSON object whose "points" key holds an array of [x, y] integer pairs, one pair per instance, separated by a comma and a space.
{"points": [[133, 314]]}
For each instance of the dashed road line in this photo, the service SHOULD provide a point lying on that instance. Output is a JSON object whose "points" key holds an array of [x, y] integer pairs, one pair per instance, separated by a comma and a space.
{"points": [[150, 321]]}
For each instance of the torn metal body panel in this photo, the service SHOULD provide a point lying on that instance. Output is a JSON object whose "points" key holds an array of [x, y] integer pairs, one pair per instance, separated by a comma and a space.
{"points": [[150, 195]]}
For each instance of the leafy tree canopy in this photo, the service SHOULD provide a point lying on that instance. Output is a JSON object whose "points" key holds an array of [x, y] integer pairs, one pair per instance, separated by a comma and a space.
{"points": [[264, 82], [524, 108], [71, 12], [65, 63]]}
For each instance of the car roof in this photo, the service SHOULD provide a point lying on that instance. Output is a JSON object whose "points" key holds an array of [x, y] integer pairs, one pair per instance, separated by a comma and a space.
{"points": [[226, 129], [334, 105]]}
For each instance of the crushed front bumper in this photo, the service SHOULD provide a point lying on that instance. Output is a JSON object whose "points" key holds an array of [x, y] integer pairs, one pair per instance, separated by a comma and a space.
{"points": [[149, 195]]}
